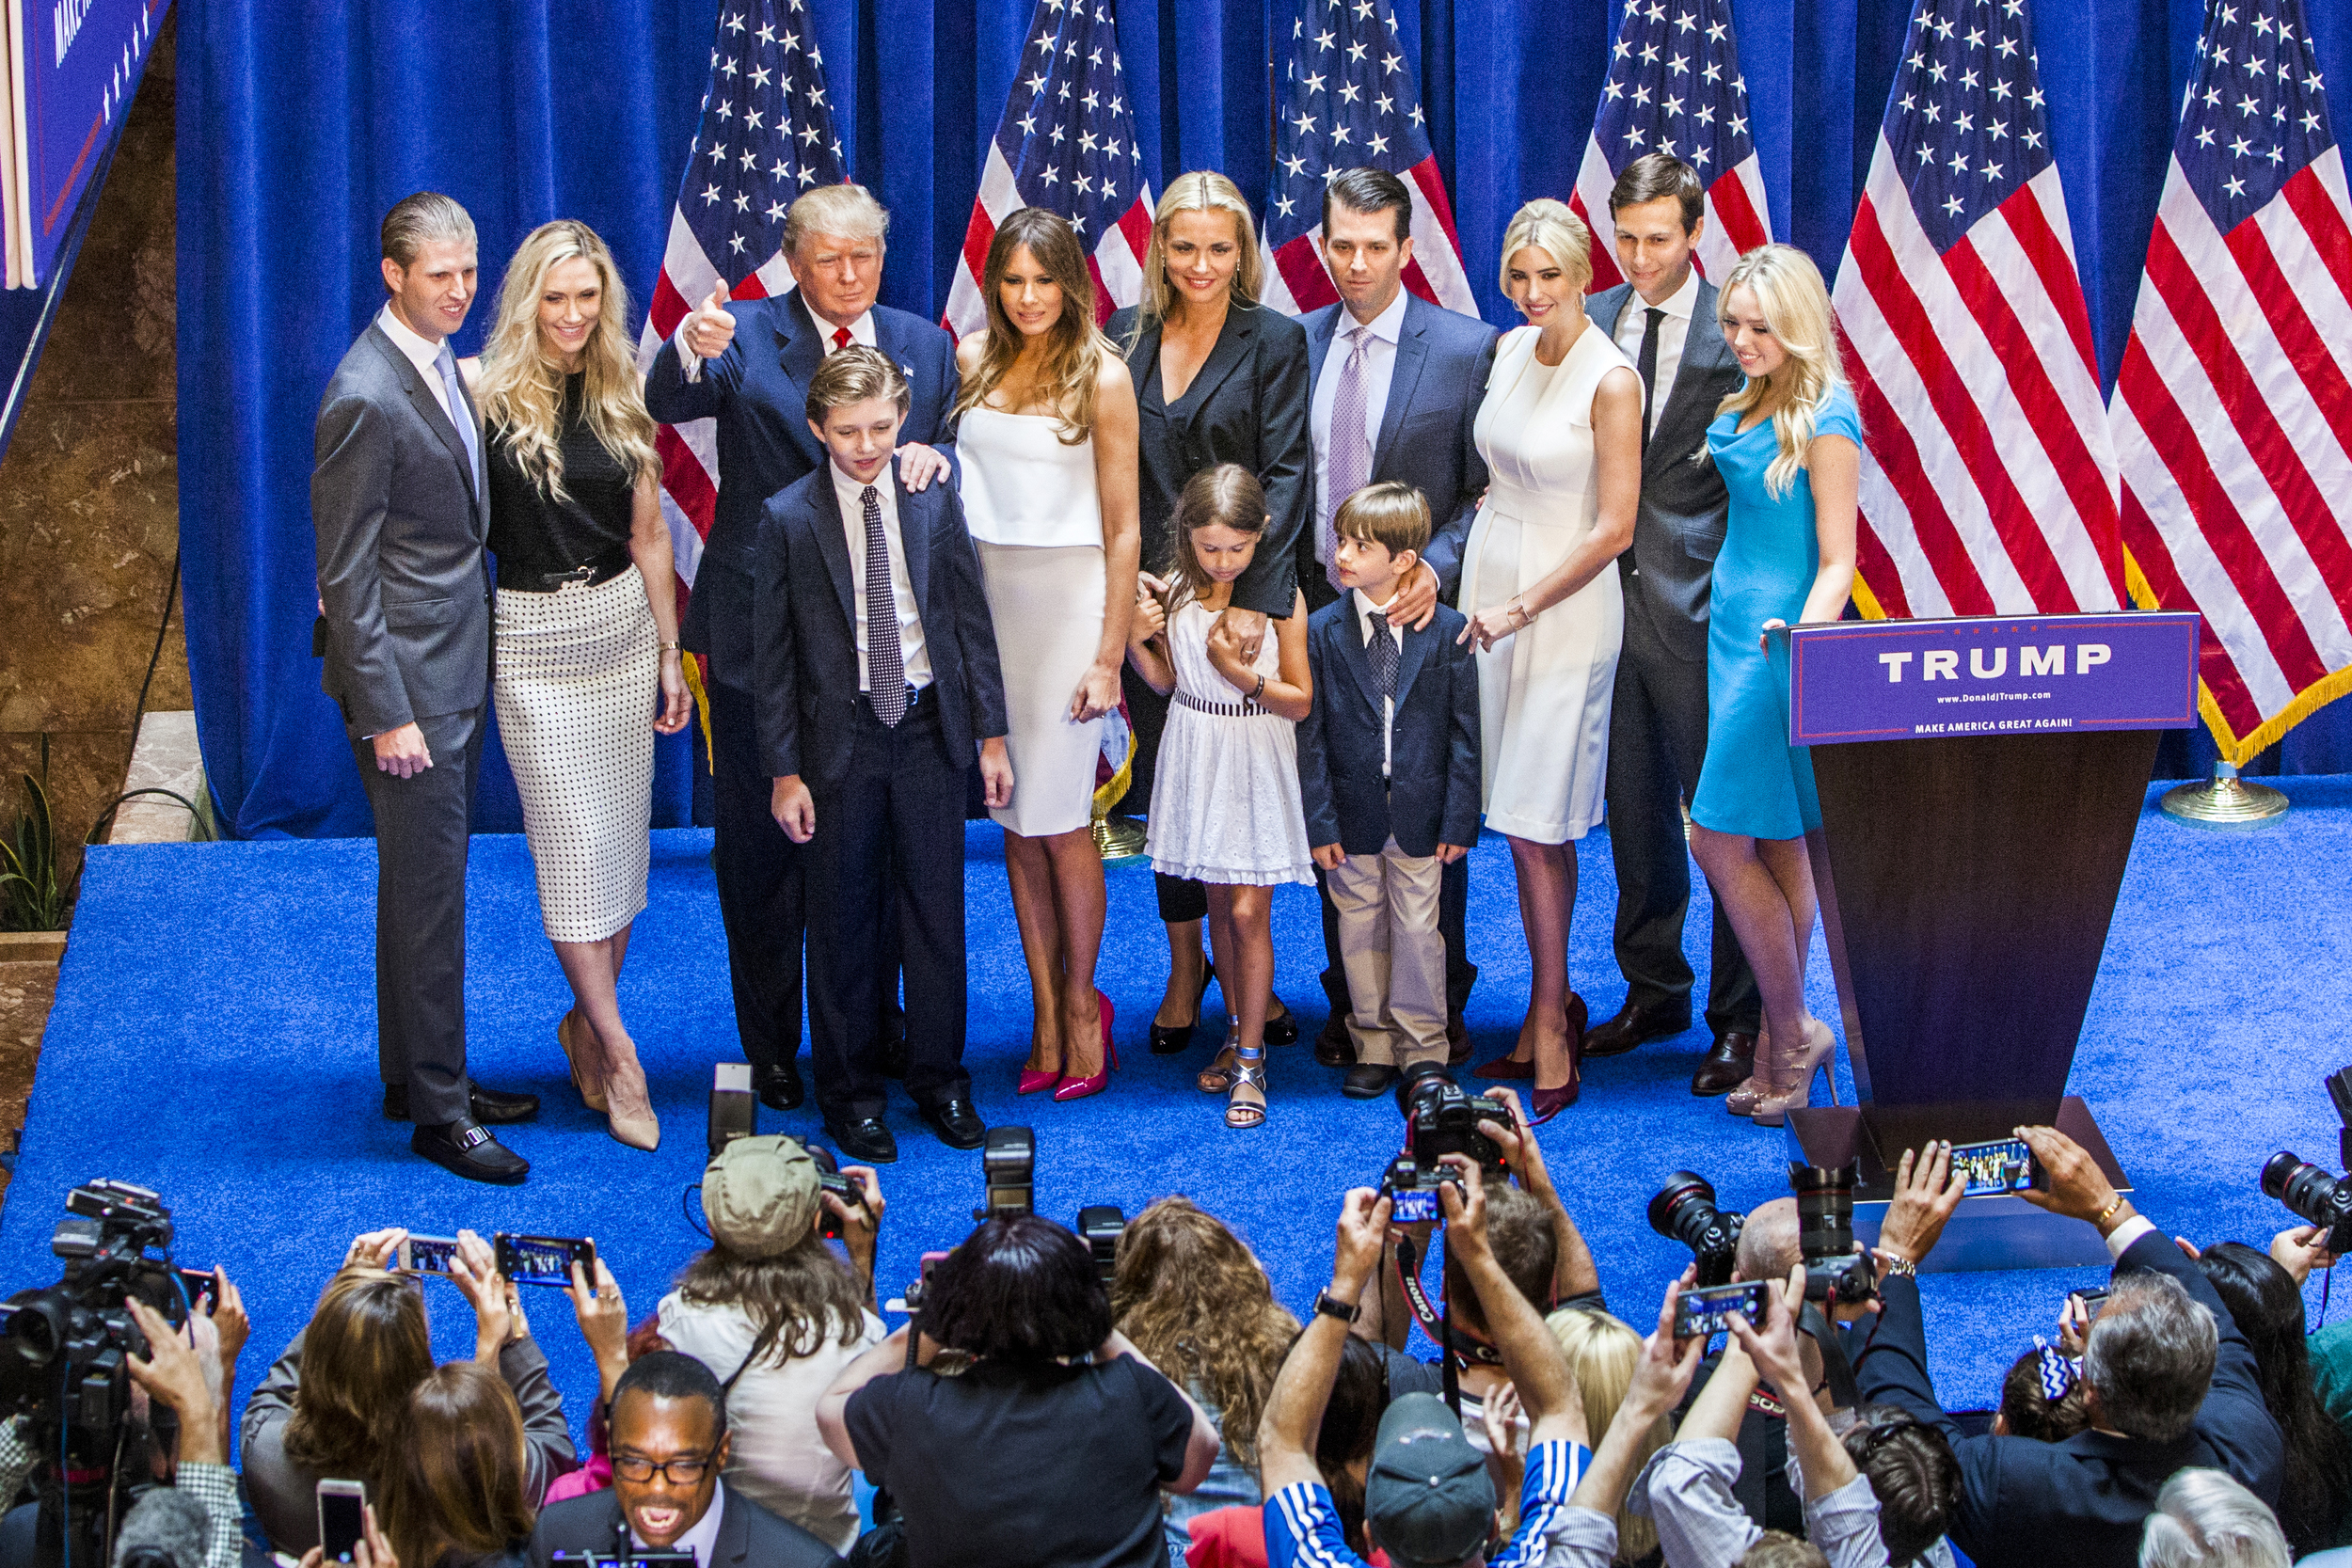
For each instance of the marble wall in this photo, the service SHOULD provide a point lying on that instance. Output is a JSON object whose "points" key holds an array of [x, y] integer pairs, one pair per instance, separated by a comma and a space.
{"points": [[89, 500]]}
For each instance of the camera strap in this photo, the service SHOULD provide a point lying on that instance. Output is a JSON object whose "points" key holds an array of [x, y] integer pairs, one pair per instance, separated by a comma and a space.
{"points": [[1437, 1322], [759, 1348], [1837, 1373]]}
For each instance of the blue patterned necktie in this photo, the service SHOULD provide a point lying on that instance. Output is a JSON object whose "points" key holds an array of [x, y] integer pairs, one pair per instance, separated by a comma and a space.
{"points": [[1384, 654], [886, 666], [1347, 466], [459, 415]]}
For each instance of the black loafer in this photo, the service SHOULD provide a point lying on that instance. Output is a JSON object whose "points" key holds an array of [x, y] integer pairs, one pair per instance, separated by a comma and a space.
{"points": [[466, 1147], [957, 1123], [1368, 1080], [865, 1140], [488, 1107], [1282, 1028], [779, 1087]]}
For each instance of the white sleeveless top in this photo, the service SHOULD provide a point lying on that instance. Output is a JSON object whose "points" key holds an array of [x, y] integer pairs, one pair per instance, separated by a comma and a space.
{"points": [[1022, 486]]}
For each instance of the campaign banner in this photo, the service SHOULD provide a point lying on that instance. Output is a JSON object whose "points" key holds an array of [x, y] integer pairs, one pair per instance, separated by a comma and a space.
{"points": [[2026, 675], [74, 65]]}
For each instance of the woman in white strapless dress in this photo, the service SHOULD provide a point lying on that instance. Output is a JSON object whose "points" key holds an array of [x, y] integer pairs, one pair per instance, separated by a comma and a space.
{"points": [[1046, 440], [1561, 431]]}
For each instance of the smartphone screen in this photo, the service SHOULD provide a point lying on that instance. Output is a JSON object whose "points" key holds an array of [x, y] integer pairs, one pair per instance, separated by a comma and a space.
{"points": [[426, 1254], [341, 1517], [545, 1260], [2002, 1166], [203, 1291], [1702, 1314]]}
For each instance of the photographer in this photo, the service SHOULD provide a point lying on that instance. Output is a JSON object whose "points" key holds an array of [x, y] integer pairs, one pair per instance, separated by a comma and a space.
{"points": [[775, 1315], [1428, 1500], [2171, 1380], [1053, 1447], [328, 1407]]}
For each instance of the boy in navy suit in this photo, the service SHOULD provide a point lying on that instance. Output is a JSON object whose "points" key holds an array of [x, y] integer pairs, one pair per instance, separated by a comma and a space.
{"points": [[1389, 776], [876, 680]]}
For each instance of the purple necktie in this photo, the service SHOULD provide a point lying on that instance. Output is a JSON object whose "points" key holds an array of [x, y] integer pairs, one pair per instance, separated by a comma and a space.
{"points": [[885, 666], [1347, 468]]}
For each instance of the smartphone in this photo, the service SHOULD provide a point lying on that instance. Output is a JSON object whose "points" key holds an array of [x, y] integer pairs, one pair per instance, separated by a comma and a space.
{"points": [[2002, 1165], [342, 1518], [2094, 1302], [1702, 1314], [203, 1288], [425, 1254], [545, 1260]]}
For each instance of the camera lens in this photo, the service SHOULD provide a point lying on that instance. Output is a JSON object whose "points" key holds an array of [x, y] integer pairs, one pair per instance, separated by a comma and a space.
{"points": [[2307, 1191], [1825, 1210], [1684, 1210]]}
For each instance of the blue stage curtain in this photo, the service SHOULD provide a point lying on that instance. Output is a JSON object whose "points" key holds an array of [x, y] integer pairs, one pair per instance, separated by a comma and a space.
{"points": [[302, 121]]}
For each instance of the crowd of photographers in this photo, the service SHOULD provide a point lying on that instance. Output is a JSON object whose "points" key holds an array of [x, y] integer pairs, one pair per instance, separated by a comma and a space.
{"points": [[1137, 1396]]}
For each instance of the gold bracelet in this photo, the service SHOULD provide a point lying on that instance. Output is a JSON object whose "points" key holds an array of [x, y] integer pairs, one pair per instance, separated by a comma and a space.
{"points": [[2107, 1214], [671, 647]]}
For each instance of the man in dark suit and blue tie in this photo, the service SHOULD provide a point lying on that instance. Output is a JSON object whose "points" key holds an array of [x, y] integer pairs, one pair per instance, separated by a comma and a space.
{"points": [[748, 365], [876, 683], [1664, 319], [396, 498], [1397, 401]]}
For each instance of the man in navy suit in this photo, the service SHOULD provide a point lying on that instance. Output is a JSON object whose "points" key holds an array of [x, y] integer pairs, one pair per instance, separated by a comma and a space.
{"points": [[875, 682], [1664, 319], [748, 365], [1407, 378], [2173, 1383], [1387, 775]]}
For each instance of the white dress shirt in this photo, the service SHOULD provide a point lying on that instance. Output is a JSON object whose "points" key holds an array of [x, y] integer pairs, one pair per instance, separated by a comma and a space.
{"points": [[1672, 333], [1364, 606], [425, 355], [852, 497], [702, 1537], [1379, 368], [861, 331]]}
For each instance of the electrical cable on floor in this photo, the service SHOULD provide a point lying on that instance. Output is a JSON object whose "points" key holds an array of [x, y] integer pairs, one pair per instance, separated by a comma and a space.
{"points": [[171, 602]]}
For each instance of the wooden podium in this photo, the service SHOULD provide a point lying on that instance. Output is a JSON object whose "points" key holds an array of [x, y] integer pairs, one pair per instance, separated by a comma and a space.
{"points": [[1969, 790]]}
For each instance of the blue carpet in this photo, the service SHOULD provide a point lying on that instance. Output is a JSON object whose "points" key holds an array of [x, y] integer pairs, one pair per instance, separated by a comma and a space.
{"points": [[214, 1037]]}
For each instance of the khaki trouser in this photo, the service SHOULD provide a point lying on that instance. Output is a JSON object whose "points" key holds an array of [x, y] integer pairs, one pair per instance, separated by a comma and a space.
{"points": [[1393, 954]]}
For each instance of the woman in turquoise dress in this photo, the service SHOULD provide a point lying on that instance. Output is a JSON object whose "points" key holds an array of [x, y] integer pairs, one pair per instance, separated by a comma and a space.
{"points": [[1789, 447]]}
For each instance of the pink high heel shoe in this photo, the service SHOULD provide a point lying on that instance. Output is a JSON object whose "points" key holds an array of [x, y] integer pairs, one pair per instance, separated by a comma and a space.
{"points": [[1079, 1089]]}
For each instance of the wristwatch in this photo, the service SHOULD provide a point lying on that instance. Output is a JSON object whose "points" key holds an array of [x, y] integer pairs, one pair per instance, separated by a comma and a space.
{"points": [[1330, 1305], [1903, 1266]]}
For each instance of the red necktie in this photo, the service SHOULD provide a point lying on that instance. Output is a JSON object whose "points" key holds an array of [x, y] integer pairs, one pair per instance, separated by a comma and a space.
{"points": [[841, 337]]}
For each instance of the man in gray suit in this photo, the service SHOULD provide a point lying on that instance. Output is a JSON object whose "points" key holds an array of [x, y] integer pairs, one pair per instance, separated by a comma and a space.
{"points": [[405, 595], [1664, 319]]}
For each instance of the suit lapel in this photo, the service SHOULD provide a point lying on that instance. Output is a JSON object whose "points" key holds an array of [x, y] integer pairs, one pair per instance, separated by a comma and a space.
{"points": [[734, 1532], [834, 545], [1355, 657], [914, 538], [800, 350], [1412, 354], [1415, 653], [1233, 347], [1321, 328], [428, 407], [1704, 352]]}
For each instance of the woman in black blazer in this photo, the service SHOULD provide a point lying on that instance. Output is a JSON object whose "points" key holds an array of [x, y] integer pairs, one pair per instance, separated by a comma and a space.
{"points": [[1219, 378]]}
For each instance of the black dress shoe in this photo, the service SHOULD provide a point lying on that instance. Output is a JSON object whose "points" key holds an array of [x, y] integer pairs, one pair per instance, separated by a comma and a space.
{"points": [[865, 1140], [466, 1147], [1633, 1024], [779, 1087], [1334, 1045], [1282, 1028], [488, 1107], [957, 1125], [1457, 1041], [1368, 1080], [1727, 1064]]}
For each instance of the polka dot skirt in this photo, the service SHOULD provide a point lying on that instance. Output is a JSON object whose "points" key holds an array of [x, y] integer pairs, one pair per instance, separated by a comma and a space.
{"points": [[579, 683]]}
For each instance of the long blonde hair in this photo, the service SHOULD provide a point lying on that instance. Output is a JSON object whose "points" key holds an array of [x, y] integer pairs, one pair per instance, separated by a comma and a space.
{"points": [[1202, 190], [1074, 345], [522, 387], [1602, 1352], [1788, 289], [1199, 1308]]}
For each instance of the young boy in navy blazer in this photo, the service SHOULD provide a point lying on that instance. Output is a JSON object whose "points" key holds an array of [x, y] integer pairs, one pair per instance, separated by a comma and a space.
{"points": [[1387, 772], [876, 680]]}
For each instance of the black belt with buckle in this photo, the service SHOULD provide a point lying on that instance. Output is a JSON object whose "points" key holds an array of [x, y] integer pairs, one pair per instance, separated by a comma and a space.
{"points": [[527, 578]]}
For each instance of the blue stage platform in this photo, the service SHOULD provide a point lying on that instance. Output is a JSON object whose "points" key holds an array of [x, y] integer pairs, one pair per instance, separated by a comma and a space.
{"points": [[214, 1037]]}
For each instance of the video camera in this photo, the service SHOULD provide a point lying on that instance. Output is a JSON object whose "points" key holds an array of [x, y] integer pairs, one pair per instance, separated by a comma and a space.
{"points": [[2309, 1192], [1439, 1119]]}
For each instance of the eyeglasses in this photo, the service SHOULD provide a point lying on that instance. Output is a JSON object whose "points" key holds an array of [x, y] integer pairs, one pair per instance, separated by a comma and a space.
{"points": [[684, 1471]]}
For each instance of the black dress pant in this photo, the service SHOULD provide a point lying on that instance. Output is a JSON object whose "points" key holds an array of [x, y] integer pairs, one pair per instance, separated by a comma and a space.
{"points": [[762, 893], [889, 841], [421, 828], [1657, 741]]}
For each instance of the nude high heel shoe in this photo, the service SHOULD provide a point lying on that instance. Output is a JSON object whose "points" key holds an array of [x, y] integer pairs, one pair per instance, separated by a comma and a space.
{"points": [[631, 1120], [590, 1085], [1792, 1083]]}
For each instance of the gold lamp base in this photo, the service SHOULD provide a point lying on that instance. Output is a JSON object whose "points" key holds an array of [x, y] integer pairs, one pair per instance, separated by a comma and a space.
{"points": [[2226, 802], [1120, 839]]}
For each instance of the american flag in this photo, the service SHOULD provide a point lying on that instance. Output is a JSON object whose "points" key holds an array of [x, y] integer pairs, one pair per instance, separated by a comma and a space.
{"points": [[1349, 101], [2233, 411], [1067, 143], [1674, 87], [1990, 487], [765, 136]]}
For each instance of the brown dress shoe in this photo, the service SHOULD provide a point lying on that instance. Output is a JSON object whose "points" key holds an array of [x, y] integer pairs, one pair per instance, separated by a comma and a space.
{"points": [[1633, 1024], [1727, 1064], [1457, 1041], [1334, 1045]]}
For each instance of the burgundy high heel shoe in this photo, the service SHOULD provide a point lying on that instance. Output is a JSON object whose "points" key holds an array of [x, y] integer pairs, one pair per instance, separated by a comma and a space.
{"points": [[1544, 1104], [1078, 1088]]}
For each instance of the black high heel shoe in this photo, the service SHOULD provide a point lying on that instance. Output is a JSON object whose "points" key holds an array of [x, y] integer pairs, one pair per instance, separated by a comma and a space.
{"points": [[1170, 1039]]}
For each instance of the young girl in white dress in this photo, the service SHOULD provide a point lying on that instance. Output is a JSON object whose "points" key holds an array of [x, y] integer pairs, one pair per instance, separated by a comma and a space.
{"points": [[1225, 808]]}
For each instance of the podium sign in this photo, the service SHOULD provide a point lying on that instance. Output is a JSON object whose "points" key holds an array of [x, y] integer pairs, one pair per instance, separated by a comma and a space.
{"points": [[1970, 789]]}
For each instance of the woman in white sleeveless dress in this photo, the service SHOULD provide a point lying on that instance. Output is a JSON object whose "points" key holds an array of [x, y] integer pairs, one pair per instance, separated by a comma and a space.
{"points": [[1046, 440], [1561, 431]]}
